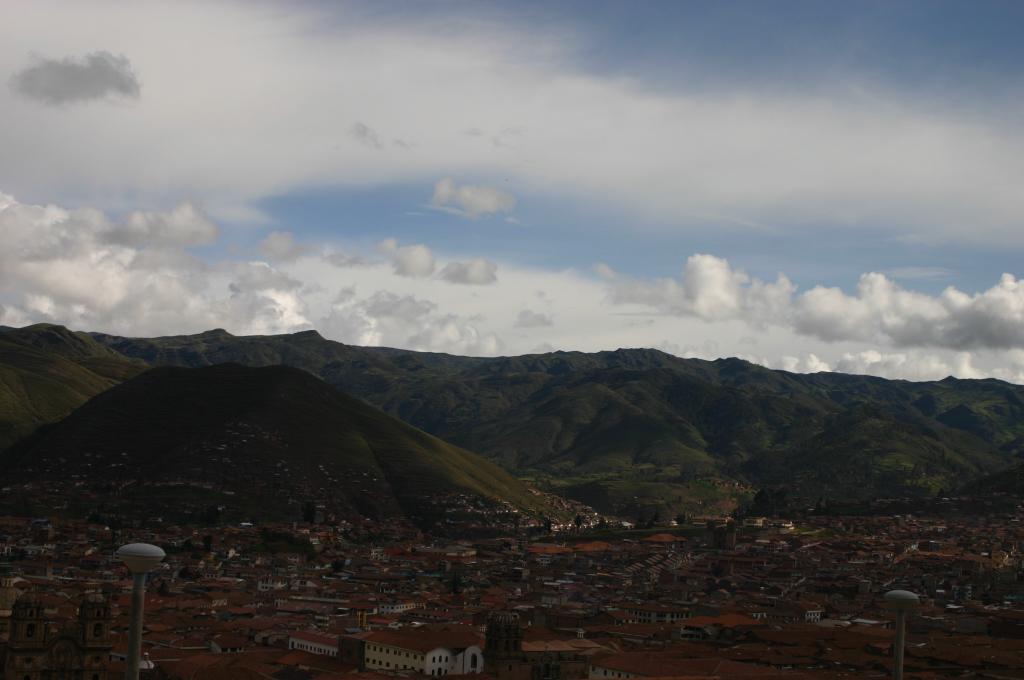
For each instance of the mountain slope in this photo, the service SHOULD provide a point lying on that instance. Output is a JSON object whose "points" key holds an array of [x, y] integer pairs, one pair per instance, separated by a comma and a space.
{"points": [[277, 436], [47, 371]]}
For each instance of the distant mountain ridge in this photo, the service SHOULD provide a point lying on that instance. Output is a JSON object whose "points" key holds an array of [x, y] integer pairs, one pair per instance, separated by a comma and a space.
{"points": [[636, 431], [641, 425]]}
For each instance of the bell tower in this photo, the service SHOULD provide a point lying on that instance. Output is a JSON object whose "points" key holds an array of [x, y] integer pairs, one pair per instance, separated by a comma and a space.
{"points": [[504, 637], [26, 646], [27, 623], [94, 621]]}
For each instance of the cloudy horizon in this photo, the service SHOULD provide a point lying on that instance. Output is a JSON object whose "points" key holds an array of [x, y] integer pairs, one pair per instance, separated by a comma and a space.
{"points": [[838, 190]]}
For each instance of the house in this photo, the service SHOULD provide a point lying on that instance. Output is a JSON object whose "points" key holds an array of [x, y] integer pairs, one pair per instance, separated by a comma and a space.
{"points": [[228, 644], [314, 643], [446, 650]]}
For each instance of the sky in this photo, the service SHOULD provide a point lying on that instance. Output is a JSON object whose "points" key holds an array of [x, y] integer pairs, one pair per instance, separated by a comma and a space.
{"points": [[807, 185]]}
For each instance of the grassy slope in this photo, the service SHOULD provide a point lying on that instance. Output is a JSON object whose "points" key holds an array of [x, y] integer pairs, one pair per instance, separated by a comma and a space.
{"points": [[46, 372]]}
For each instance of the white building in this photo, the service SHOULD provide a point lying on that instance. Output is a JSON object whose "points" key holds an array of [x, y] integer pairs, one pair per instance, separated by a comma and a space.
{"points": [[445, 651], [314, 643]]}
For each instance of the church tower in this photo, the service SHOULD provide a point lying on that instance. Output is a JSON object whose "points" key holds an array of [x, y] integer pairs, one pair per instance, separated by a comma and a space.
{"points": [[94, 619], [504, 637], [9, 594], [26, 644]]}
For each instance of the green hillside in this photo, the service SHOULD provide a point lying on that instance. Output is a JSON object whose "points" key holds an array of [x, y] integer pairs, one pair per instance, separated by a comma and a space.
{"points": [[268, 440], [47, 371], [643, 429]]}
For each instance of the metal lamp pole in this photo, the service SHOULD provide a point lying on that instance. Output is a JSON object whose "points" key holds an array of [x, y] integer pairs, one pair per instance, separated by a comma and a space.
{"points": [[900, 601], [140, 558]]}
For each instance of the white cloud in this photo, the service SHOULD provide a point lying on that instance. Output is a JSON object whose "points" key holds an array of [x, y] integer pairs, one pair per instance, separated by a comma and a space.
{"points": [[471, 201], [415, 261], [478, 271], [709, 289], [186, 225], [73, 80], [881, 311], [84, 270], [907, 366], [64, 266], [835, 159], [281, 245], [391, 319]]}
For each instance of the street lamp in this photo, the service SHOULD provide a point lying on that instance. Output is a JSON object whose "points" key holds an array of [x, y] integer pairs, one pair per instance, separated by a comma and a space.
{"points": [[140, 558], [900, 601]]}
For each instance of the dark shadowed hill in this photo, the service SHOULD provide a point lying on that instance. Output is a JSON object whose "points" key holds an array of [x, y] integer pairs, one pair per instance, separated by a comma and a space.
{"points": [[636, 428], [267, 441], [48, 371]]}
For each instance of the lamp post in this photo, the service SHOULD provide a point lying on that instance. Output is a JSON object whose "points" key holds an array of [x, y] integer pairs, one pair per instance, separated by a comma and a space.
{"points": [[140, 558], [900, 601]]}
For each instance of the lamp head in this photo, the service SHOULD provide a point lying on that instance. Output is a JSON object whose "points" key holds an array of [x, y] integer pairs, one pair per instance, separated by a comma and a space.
{"points": [[140, 558], [901, 600]]}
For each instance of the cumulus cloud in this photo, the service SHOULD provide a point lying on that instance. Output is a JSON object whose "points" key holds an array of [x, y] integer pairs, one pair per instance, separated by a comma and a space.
{"points": [[879, 311], [186, 225], [709, 289], [82, 269], [907, 366], [478, 271], [281, 245], [72, 80], [471, 201], [915, 365], [415, 261], [809, 364], [137, 276], [390, 319], [530, 319]]}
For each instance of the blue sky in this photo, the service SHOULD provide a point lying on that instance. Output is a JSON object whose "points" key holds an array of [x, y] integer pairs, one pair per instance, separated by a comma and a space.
{"points": [[809, 185]]}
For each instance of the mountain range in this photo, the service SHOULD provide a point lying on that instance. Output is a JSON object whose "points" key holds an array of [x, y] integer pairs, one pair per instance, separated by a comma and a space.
{"points": [[634, 431]]}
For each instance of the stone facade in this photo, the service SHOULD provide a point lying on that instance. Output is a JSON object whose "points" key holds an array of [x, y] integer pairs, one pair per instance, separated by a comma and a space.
{"points": [[38, 650]]}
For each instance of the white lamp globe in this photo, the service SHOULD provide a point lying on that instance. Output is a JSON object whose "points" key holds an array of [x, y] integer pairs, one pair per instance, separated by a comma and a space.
{"points": [[901, 600], [140, 558]]}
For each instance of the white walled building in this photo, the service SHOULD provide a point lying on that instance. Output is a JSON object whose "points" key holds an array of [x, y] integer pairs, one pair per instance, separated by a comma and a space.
{"points": [[314, 643], [436, 652]]}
